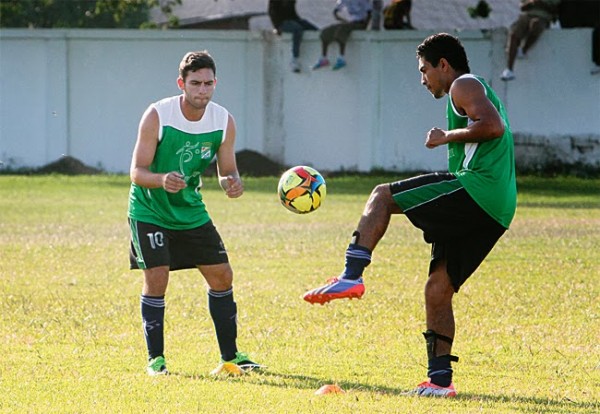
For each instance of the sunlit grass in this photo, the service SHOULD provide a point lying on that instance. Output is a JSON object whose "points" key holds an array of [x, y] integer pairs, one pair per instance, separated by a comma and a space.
{"points": [[527, 321]]}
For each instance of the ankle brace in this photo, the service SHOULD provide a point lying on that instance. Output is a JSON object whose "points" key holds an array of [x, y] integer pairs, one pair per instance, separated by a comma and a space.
{"points": [[431, 338]]}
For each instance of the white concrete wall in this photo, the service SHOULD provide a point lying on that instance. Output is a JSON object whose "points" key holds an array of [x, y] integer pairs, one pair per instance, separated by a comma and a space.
{"points": [[82, 92]]}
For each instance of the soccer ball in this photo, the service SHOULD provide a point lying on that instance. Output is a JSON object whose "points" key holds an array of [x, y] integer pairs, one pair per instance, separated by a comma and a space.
{"points": [[301, 189]]}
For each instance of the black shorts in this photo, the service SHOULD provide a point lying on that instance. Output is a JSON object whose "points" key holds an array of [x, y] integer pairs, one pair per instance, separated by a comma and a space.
{"points": [[458, 229], [153, 246]]}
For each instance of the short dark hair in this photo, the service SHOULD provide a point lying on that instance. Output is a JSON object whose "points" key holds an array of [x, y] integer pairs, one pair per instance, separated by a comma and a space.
{"points": [[444, 45], [192, 61]]}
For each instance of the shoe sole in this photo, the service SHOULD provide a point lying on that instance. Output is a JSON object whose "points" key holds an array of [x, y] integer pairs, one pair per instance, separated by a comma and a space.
{"points": [[437, 395], [251, 367], [433, 391], [153, 373], [415, 393], [324, 298]]}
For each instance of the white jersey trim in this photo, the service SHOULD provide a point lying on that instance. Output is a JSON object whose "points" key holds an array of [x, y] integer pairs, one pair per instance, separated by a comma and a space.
{"points": [[470, 147], [215, 118]]}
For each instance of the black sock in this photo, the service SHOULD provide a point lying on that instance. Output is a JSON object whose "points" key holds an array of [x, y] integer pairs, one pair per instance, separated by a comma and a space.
{"points": [[223, 311], [153, 316], [439, 370]]}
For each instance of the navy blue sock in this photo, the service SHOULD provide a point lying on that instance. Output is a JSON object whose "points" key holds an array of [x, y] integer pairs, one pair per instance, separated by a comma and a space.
{"points": [[153, 316], [223, 311], [439, 370], [357, 258]]}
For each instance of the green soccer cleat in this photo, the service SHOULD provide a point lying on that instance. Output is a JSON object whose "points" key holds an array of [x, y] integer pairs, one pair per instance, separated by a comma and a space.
{"points": [[157, 366], [237, 366]]}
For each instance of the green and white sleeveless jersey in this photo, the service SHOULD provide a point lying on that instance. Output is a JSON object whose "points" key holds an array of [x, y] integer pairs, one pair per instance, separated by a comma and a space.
{"points": [[188, 148], [485, 169]]}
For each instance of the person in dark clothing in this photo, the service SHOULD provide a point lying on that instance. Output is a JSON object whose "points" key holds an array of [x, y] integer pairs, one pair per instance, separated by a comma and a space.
{"points": [[583, 13], [285, 19], [396, 16], [535, 17]]}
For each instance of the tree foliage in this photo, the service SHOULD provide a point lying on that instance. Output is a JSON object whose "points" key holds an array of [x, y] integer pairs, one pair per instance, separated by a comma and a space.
{"points": [[84, 13]]}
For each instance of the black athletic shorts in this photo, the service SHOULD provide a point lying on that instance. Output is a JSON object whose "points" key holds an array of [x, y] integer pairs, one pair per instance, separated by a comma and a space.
{"points": [[153, 246], [452, 222]]}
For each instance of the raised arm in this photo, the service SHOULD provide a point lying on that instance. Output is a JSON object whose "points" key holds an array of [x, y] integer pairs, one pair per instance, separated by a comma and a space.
{"points": [[469, 98]]}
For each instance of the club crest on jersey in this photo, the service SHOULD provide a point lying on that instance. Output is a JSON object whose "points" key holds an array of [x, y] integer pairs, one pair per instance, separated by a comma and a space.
{"points": [[205, 151]]}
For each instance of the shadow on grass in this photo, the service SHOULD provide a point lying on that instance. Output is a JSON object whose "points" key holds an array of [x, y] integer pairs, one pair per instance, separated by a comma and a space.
{"points": [[305, 382], [531, 404]]}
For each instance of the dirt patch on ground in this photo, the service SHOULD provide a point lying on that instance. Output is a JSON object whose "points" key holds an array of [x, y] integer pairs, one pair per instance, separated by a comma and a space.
{"points": [[253, 164], [257, 165], [69, 166]]}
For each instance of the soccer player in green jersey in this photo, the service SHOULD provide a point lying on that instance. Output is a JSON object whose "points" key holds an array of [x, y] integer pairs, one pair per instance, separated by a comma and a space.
{"points": [[171, 229], [462, 212]]}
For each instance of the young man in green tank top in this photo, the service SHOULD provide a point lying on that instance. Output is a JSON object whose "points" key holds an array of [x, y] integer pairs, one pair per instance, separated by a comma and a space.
{"points": [[462, 212], [170, 227]]}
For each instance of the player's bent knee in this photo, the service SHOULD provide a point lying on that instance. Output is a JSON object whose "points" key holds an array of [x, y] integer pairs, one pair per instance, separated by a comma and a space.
{"points": [[382, 195], [438, 289]]}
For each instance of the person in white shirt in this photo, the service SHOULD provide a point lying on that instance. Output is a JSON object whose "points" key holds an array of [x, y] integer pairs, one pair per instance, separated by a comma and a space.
{"points": [[359, 12]]}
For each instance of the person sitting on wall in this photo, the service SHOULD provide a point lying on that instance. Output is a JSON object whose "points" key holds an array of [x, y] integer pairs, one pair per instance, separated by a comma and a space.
{"points": [[360, 15], [285, 19], [396, 15], [535, 17], [583, 13]]}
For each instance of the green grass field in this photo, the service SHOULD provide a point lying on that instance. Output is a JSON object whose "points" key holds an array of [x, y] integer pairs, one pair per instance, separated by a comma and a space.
{"points": [[528, 321]]}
